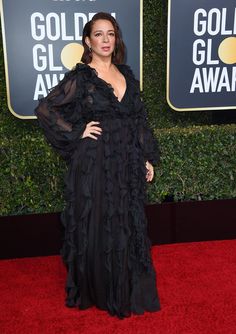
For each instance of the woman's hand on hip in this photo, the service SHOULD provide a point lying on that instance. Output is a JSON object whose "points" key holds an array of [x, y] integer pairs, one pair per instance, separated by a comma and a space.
{"points": [[91, 130], [150, 171]]}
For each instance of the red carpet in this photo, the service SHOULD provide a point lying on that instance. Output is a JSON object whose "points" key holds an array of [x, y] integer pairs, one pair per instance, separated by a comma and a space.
{"points": [[196, 283]]}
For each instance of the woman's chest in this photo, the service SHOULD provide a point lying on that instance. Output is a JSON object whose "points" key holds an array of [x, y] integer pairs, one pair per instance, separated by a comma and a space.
{"points": [[99, 95]]}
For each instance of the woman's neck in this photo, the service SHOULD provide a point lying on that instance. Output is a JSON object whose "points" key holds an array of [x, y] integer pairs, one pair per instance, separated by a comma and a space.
{"points": [[103, 65]]}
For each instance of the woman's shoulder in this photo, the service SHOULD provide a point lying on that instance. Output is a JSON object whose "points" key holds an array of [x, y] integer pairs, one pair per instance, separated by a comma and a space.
{"points": [[79, 68], [79, 73], [126, 69], [128, 73]]}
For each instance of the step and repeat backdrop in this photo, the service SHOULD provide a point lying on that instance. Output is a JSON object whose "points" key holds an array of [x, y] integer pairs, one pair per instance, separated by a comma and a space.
{"points": [[43, 39], [201, 71]]}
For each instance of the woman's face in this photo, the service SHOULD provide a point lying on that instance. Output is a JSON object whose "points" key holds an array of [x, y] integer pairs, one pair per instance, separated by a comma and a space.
{"points": [[102, 39]]}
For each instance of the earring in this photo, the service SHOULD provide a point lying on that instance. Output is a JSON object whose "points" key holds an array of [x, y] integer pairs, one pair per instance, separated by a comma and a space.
{"points": [[90, 49]]}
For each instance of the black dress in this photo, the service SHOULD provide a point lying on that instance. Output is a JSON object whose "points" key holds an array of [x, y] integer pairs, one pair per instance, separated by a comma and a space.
{"points": [[106, 248]]}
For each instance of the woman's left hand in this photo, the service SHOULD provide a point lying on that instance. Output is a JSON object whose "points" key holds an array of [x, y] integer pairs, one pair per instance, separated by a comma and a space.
{"points": [[150, 171]]}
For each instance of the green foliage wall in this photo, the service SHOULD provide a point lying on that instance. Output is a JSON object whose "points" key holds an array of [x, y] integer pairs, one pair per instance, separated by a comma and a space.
{"points": [[198, 159]]}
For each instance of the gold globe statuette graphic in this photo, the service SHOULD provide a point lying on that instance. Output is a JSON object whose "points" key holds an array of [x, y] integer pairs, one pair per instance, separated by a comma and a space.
{"points": [[227, 50], [71, 55]]}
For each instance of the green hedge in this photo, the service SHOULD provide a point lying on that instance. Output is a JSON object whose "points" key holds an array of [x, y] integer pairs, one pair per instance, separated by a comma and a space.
{"points": [[30, 176], [197, 162]]}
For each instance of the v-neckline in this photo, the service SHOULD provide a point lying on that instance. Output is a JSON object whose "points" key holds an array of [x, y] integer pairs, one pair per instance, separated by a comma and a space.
{"points": [[110, 86]]}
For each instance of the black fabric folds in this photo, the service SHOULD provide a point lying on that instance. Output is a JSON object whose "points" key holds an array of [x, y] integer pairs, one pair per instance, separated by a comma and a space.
{"points": [[106, 248], [59, 114]]}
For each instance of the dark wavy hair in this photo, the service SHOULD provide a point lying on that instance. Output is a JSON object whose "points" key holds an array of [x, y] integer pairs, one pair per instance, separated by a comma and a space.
{"points": [[119, 51]]}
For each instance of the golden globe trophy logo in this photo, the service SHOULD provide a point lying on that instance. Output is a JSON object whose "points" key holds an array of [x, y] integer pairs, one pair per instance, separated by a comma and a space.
{"points": [[43, 40], [201, 68]]}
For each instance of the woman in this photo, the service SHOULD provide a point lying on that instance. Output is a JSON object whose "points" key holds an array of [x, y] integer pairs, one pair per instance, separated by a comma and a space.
{"points": [[95, 119]]}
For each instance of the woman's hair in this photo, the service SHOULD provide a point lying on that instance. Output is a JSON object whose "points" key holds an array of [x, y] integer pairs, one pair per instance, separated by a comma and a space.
{"points": [[119, 50]]}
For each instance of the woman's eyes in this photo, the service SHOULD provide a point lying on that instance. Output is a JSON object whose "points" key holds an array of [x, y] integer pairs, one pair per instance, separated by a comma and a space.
{"points": [[100, 34]]}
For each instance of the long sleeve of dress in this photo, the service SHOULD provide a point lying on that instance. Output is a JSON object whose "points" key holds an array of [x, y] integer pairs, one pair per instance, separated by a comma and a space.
{"points": [[59, 114], [147, 140]]}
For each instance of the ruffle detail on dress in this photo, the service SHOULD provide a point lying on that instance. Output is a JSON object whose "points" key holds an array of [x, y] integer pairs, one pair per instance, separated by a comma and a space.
{"points": [[75, 220], [117, 231], [146, 138]]}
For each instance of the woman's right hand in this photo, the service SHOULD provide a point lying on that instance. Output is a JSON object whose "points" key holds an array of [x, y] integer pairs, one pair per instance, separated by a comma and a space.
{"points": [[92, 129]]}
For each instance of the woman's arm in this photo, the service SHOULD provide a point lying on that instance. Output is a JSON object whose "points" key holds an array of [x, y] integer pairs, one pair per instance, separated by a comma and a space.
{"points": [[59, 114], [147, 140]]}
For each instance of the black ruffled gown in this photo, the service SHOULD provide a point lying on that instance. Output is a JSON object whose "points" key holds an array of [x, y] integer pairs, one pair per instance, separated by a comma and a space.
{"points": [[106, 248]]}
